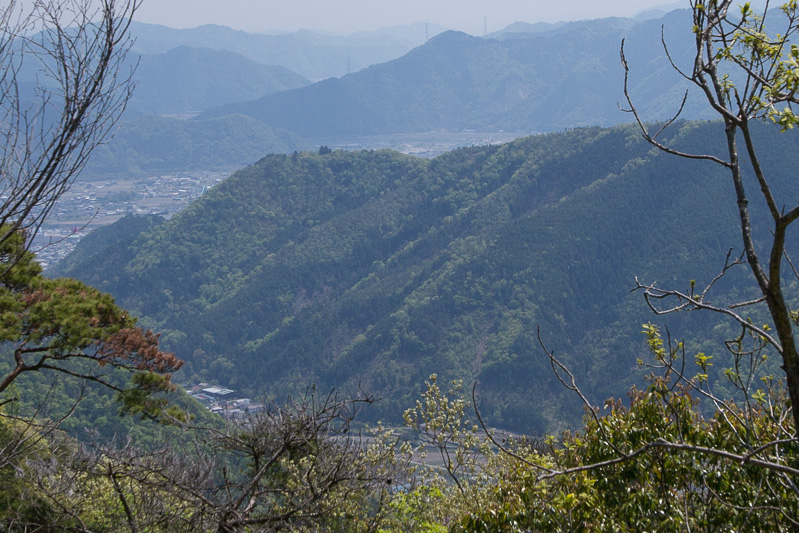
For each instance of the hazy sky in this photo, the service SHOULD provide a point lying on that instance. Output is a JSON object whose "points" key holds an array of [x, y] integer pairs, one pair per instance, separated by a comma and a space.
{"points": [[347, 16]]}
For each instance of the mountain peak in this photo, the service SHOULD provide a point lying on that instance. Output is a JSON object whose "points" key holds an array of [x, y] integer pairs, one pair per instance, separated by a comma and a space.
{"points": [[452, 36]]}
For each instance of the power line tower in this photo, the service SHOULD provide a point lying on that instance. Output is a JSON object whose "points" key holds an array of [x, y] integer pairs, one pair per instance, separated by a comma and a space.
{"points": [[485, 26]]}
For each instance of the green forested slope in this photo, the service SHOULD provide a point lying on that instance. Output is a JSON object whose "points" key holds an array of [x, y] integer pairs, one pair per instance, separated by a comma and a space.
{"points": [[376, 268], [154, 144]]}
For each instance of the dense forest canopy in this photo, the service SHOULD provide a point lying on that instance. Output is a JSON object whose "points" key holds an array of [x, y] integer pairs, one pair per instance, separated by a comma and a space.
{"points": [[376, 268]]}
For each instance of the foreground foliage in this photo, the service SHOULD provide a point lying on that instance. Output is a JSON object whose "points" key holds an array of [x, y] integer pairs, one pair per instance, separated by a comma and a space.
{"points": [[301, 466], [664, 461], [661, 462]]}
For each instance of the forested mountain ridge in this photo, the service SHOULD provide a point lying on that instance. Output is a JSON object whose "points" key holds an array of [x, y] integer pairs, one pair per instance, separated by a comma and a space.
{"points": [[568, 76], [153, 145], [377, 269], [185, 81]]}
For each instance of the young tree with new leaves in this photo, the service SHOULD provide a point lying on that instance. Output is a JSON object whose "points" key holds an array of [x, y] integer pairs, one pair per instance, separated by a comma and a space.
{"points": [[745, 65]]}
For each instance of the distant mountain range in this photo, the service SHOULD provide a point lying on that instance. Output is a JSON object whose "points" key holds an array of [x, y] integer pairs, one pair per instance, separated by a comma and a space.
{"points": [[183, 72], [189, 80], [528, 78], [377, 269], [559, 77], [313, 55]]}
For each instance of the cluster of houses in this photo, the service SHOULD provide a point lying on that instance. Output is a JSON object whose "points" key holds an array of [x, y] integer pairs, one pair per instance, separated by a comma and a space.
{"points": [[224, 402], [90, 204]]}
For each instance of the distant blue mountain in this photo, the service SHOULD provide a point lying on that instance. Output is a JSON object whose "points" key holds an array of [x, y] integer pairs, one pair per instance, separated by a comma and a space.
{"points": [[313, 55], [190, 80], [559, 77]]}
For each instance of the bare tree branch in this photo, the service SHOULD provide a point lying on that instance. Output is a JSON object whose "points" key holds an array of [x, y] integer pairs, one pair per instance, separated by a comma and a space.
{"points": [[78, 48]]}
